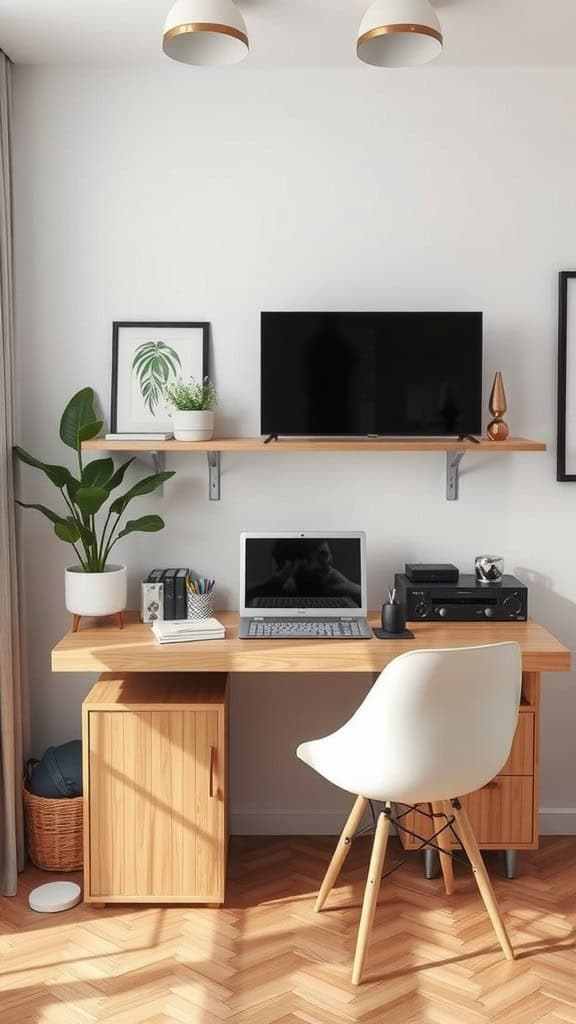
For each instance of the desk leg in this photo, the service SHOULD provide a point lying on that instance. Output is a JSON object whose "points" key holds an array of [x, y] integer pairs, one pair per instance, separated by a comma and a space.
{"points": [[431, 863], [510, 862]]}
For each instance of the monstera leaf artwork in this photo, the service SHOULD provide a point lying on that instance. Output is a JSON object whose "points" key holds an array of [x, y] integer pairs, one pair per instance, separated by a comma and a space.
{"points": [[154, 364]]}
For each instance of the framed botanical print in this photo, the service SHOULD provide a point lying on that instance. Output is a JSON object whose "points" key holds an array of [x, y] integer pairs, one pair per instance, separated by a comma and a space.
{"points": [[145, 358], [566, 433]]}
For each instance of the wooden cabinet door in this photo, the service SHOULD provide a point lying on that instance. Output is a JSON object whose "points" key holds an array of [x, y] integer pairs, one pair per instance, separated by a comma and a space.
{"points": [[156, 806]]}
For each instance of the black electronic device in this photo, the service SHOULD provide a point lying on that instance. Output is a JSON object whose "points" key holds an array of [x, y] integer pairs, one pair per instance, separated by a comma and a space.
{"points": [[421, 572], [380, 374], [464, 601]]}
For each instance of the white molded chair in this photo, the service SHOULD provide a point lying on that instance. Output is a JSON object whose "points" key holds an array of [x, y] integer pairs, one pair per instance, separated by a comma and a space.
{"points": [[436, 724]]}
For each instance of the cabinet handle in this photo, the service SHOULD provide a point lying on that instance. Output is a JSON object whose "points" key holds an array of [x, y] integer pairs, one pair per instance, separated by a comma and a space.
{"points": [[211, 782]]}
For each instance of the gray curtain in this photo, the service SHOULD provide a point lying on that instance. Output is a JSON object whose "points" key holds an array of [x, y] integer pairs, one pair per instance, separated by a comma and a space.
{"points": [[12, 691]]}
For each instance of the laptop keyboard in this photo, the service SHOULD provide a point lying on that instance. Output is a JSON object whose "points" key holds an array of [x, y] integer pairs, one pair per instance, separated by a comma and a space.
{"points": [[304, 602], [324, 629]]}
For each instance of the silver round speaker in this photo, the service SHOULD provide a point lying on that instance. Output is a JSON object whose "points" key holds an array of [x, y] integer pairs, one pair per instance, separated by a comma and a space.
{"points": [[489, 568]]}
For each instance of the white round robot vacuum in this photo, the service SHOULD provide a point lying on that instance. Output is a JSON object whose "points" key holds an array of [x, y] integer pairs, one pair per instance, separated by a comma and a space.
{"points": [[54, 897]]}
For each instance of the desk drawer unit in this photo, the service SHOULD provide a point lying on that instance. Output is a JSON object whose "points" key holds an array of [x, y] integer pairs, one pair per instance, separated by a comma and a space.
{"points": [[504, 813], [155, 788]]}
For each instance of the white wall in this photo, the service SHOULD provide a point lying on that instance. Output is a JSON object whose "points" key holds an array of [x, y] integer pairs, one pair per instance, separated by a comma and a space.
{"points": [[176, 194]]}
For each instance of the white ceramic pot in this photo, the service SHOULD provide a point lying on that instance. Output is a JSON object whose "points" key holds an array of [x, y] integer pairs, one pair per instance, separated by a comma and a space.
{"points": [[96, 593], [193, 426]]}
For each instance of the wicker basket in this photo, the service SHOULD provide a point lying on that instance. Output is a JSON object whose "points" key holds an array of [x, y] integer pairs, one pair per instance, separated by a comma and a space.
{"points": [[54, 831]]}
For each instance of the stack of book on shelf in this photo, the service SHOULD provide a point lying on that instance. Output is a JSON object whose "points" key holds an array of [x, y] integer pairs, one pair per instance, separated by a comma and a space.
{"points": [[193, 629]]}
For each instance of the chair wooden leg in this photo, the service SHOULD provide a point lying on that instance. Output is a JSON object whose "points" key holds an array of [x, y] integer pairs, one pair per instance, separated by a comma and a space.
{"points": [[370, 896], [342, 850], [443, 841], [468, 840]]}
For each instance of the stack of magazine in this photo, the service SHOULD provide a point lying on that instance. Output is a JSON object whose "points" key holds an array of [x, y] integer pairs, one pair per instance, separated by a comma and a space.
{"points": [[180, 632]]}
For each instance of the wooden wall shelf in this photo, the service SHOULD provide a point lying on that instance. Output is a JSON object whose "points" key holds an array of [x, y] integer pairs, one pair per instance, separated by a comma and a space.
{"points": [[455, 450], [303, 444]]}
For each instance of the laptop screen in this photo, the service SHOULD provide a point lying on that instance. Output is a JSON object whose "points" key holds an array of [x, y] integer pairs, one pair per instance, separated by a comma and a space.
{"points": [[303, 572]]}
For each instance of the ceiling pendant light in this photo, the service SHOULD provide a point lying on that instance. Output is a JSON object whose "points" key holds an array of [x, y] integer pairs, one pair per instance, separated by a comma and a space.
{"points": [[206, 32], [399, 34]]}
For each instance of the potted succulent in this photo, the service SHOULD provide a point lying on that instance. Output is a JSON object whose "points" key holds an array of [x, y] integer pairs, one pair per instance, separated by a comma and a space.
{"points": [[192, 404], [94, 586]]}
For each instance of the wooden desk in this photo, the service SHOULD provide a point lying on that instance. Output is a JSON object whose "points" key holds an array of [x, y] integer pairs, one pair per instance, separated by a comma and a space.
{"points": [[504, 813], [100, 647]]}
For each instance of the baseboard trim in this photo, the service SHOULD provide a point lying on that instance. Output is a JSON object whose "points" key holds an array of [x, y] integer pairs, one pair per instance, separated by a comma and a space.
{"points": [[554, 821], [558, 821]]}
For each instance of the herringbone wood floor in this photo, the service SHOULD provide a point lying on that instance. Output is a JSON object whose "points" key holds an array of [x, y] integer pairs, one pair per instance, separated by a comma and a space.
{"points": [[266, 958]]}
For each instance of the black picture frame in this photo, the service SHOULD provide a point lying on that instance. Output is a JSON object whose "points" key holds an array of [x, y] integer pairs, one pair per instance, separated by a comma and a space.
{"points": [[564, 279], [164, 326]]}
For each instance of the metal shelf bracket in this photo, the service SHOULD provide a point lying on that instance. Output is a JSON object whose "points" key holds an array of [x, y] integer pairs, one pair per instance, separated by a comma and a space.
{"points": [[213, 475], [453, 460]]}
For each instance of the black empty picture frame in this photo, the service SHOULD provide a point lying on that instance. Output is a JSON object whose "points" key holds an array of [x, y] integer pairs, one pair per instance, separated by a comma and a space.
{"points": [[186, 344], [566, 431]]}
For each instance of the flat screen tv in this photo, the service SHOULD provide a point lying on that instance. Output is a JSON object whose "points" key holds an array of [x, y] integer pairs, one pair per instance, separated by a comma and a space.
{"points": [[382, 374]]}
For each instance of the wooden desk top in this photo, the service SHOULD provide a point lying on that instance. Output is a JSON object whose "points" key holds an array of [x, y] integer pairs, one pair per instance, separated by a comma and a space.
{"points": [[101, 647]]}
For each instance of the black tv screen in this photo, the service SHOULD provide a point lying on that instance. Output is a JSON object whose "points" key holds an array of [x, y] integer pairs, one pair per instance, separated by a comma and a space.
{"points": [[384, 374]]}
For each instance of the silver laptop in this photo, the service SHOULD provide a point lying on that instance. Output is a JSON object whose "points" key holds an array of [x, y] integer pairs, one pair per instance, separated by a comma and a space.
{"points": [[302, 585]]}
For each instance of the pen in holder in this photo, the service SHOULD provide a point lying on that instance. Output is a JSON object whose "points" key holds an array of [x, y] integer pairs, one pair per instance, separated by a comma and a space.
{"points": [[200, 599], [393, 620]]}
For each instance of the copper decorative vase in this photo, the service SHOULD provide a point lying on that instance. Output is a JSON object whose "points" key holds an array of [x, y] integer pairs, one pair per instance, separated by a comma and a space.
{"points": [[497, 429]]}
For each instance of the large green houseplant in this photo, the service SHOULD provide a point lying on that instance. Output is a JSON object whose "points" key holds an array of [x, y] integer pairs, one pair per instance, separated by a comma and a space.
{"points": [[90, 520]]}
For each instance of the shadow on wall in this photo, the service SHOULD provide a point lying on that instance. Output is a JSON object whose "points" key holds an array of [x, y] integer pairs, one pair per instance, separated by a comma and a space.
{"points": [[557, 794], [552, 610]]}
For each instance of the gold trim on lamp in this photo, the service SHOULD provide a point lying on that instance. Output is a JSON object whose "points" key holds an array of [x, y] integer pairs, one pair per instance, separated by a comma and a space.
{"points": [[205, 33], [384, 30], [399, 34], [206, 26]]}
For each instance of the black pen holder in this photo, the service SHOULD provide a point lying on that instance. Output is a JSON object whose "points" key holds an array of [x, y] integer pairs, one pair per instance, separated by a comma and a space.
{"points": [[393, 623], [393, 619]]}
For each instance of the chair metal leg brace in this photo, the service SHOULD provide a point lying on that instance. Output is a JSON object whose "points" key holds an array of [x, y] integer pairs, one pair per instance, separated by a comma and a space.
{"points": [[429, 843]]}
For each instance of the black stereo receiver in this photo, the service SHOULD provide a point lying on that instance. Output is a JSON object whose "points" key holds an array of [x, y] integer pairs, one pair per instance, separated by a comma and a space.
{"points": [[464, 601]]}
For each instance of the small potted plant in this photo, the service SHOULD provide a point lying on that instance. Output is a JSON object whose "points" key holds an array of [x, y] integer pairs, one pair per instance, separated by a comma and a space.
{"points": [[192, 404], [94, 586]]}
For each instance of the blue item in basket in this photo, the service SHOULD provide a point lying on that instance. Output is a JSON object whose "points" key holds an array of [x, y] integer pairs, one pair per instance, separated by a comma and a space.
{"points": [[59, 772]]}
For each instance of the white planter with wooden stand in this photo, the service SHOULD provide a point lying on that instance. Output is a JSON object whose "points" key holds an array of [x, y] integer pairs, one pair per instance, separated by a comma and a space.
{"points": [[96, 593], [193, 426]]}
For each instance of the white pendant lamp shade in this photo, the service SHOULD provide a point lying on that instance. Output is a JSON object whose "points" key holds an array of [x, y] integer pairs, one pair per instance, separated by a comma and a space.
{"points": [[399, 34], [206, 32]]}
